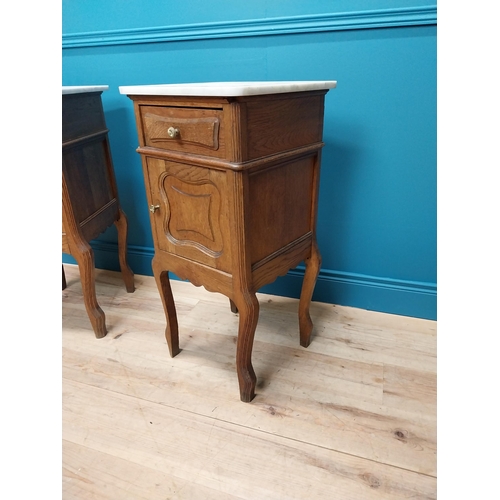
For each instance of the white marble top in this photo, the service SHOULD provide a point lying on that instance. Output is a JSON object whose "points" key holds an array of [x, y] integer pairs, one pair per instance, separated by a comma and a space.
{"points": [[79, 89], [227, 89]]}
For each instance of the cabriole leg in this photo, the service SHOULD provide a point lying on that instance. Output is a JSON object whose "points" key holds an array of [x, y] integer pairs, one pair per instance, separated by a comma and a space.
{"points": [[313, 264], [167, 298], [127, 274], [85, 259], [248, 309]]}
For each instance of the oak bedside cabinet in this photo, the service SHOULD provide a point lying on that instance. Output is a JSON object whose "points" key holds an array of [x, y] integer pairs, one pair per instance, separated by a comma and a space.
{"points": [[89, 195], [232, 174]]}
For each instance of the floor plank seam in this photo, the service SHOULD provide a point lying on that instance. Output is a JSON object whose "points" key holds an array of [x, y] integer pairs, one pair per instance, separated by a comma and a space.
{"points": [[253, 429]]}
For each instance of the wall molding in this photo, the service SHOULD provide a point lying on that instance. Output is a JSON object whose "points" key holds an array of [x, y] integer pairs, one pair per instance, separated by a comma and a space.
{"points": [[404, 297], [367, 19]]}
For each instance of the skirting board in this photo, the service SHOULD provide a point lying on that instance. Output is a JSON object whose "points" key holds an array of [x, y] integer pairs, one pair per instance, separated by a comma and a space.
{"points": [[406, 298]]}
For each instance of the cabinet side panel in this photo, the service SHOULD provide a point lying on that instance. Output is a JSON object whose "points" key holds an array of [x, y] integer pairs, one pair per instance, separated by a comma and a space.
{"points": [[87, 178], [280, 206], [76, 106], [282, 124]]}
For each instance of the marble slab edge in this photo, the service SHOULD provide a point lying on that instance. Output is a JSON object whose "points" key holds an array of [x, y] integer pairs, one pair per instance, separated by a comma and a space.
{"points": [[227, 89], [79, 89]]}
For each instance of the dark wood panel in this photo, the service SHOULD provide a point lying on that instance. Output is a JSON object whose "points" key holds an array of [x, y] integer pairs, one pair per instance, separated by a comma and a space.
{"points": [[76, 106], [87, 178]]}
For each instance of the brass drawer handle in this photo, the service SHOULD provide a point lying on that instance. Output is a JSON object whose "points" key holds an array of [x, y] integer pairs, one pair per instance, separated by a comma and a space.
{"points": [[153, 208], [173, 132]]}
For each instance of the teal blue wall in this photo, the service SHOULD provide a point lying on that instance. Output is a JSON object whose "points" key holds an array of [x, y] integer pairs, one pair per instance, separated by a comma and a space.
{"points": [[377, 208]]}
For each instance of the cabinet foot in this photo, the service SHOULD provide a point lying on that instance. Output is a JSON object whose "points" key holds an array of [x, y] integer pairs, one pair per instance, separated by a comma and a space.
{"points": [[167, 298], [313, 264], [234, 309], [127, 274], [85, 261], [248, 308]]}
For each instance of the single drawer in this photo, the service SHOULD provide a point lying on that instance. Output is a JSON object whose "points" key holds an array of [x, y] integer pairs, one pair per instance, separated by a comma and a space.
{"points": [[190, 130]]}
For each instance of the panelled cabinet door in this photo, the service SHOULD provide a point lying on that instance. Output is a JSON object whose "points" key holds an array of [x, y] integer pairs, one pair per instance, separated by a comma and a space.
{"points": [[189, 211]]}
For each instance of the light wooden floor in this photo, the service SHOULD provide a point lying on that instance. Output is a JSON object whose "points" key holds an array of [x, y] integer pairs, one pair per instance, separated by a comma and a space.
{"points": [[353, 416]]}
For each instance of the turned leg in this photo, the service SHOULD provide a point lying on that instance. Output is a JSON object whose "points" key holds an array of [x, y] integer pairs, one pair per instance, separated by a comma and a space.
{"points": [[248, 308], [85, 259], [63, 279], [172, 330], [127, 274], [313, 264]]}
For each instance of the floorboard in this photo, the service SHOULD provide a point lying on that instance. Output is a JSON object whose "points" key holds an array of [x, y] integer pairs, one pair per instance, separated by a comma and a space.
{"points": [[353, 416]]}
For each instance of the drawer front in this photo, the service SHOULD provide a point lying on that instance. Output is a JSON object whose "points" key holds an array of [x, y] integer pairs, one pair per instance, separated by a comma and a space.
{"points": [[184, 129]]}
